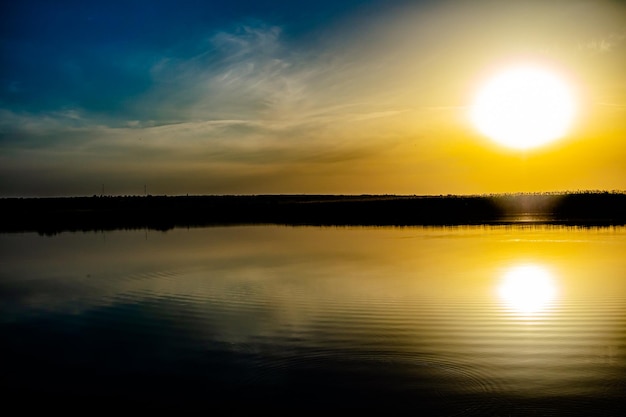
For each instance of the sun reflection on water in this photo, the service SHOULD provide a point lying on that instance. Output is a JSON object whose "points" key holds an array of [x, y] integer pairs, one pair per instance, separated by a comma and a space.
{"points": [[527, 289]]}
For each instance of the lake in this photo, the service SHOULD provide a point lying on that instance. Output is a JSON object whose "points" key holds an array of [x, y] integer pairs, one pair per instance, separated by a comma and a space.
{"points": [[468, 320]]}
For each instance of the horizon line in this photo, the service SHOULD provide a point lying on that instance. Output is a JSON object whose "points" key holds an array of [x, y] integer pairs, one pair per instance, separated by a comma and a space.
{"points": [[493, 194]]}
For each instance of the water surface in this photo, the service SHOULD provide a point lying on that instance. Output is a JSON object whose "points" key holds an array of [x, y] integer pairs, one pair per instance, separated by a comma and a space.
{"points": [[498, 320]]}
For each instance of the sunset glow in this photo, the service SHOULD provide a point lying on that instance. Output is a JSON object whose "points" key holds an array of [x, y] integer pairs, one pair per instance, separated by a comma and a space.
{"points": [[324, 97]]}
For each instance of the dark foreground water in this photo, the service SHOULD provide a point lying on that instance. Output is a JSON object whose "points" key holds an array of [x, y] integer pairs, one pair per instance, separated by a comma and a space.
{"points": [[485, 321]]}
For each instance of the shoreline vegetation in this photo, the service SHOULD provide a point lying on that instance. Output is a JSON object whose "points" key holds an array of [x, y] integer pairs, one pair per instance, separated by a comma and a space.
{"points": [[57, 214]]}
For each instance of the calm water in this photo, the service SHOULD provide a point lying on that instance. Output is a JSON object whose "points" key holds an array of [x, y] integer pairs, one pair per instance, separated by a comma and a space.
{"points": [[503, 321]]}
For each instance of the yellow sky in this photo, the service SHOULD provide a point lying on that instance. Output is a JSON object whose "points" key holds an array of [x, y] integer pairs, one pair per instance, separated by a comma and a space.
{"points": [[370, 105]]}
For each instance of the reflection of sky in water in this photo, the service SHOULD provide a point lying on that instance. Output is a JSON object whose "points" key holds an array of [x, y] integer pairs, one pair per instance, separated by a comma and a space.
{"points": [[534, 311]]}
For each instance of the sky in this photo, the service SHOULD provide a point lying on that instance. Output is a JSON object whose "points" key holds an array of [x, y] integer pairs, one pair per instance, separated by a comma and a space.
{"points": [[309, 97]]}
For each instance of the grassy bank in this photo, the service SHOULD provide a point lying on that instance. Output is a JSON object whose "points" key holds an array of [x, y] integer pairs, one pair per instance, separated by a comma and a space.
{"points": [[51, 215]]}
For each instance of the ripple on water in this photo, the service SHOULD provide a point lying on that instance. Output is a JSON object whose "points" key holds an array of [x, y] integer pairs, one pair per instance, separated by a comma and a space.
{"points": [[467, 348]]}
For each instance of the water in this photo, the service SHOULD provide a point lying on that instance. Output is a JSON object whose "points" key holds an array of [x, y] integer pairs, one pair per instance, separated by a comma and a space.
{"points": [[503, 321]]}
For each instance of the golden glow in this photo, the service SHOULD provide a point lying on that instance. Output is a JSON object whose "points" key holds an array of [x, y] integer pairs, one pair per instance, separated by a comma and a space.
{"points": [[527, 289], [524, 107]]}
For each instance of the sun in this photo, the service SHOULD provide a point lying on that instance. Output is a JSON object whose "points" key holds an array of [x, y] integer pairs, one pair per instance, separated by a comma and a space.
{"points": [[524, 107]]}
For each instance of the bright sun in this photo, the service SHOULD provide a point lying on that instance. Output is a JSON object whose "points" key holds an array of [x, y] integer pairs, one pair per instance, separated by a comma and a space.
{"points": [[524, 107]]}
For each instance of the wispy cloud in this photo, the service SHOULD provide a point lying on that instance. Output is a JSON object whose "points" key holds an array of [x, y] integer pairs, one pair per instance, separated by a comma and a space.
{"points": [[246, 73], [603, 45], [248, 105]]}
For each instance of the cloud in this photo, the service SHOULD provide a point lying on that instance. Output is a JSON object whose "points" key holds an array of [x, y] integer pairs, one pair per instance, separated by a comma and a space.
{"points": [[250, 105], [240, 74], [603, 45]]}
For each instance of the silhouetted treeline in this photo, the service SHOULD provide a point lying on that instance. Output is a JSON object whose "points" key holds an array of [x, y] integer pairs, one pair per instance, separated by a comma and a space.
{"points": [[51, 215]]}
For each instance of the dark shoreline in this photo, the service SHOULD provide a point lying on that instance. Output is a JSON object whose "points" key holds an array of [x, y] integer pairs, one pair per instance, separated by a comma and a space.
{"points": [[53, 215]]}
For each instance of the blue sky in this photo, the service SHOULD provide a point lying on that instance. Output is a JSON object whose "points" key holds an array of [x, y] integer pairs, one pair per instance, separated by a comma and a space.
{"points": [[96, 55], [282, 96]]}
